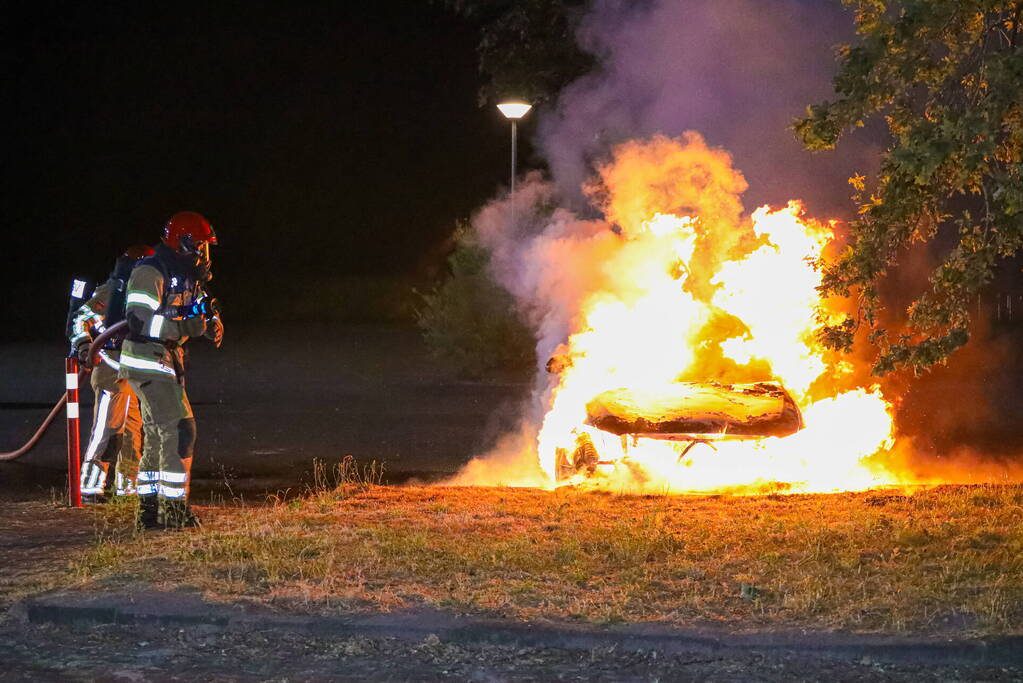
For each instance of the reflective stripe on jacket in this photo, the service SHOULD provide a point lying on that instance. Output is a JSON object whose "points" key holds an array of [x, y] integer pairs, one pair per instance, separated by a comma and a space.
{"points": [[87, 321], [153, 348]]}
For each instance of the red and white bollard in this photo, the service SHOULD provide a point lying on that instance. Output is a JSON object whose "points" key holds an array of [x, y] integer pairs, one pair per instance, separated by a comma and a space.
{"points": [[74, 446]]}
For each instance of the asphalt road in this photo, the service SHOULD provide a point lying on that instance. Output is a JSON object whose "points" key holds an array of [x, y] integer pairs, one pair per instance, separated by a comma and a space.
{"points": [[269, 402]]}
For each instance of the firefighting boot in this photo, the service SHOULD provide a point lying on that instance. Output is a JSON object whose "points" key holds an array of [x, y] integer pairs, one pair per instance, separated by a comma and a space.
{"points": [[93, 471], [108, 482], [177, 514], [148, 514]]}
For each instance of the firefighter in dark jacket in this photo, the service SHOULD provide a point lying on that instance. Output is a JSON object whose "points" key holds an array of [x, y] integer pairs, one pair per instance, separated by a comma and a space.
{"points": [[116, 421], [167, 305]]}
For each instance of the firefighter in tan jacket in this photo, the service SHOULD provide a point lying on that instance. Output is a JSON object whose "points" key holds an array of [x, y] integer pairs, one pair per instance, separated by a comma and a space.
{"points": [[116, 421], [166, 305]]}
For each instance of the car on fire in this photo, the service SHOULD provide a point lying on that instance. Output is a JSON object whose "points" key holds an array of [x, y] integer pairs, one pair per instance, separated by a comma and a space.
{"points": [[687, 413]]}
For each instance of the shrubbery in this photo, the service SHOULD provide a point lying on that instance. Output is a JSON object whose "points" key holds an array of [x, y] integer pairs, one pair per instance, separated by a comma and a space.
{"points": [[470, 321]]}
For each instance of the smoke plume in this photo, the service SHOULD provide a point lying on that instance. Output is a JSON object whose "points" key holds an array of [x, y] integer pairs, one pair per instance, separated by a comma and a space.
{"points": [[737, 71]]}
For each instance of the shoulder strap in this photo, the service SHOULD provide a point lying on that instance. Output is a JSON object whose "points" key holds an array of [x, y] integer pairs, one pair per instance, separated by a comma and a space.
{"points": [[166, 270], [119, 291]]}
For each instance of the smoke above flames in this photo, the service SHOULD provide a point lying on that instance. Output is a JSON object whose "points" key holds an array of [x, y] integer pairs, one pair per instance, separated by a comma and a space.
{"points": [[737, 71], [636, 259]]}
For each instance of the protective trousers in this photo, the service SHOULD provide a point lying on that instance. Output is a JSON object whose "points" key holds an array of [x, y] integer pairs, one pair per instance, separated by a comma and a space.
{"points": [[169, 438], [116, 433]]}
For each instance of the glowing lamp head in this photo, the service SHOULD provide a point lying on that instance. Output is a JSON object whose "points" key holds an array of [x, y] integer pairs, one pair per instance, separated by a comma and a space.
{"points": [[514, 110]]}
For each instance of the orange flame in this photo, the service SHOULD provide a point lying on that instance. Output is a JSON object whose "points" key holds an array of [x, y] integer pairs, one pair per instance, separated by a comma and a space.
{"points": [[689, 289]]}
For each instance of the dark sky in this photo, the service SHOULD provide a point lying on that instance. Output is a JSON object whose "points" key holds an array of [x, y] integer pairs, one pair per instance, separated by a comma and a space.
{"points": [[318, 137]]}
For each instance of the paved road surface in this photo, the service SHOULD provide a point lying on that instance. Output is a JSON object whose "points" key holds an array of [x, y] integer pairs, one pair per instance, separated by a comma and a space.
{"points": [[267, 405]]}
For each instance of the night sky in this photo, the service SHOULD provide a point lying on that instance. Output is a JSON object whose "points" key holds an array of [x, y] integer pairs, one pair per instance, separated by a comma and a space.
{"points": [[320, 138]]}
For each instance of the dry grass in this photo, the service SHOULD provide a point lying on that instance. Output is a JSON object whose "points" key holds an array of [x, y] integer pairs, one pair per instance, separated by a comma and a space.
{"points": [[948, 559]]}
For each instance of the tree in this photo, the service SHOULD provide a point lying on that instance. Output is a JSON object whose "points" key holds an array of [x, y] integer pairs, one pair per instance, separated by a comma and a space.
{"points": [[527, 48], [947, 76], [469, 320]]}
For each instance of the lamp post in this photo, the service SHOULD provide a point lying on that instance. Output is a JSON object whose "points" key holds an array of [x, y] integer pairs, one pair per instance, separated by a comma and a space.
{"points": [[514, 111]]}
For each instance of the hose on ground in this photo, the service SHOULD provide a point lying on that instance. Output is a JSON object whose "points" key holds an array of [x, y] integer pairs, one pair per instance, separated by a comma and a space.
{"points": [[97, 345], [12, 455]]}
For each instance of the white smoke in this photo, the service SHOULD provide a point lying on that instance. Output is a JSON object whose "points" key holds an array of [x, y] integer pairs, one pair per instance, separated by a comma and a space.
{"points": [[737, 71]]}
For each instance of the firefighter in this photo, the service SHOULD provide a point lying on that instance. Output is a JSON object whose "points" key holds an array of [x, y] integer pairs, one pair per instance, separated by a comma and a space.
{"points": [[116, 420], [166, 305]]}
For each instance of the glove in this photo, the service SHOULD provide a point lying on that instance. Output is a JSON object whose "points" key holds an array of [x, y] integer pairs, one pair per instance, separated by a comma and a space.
{"points": [[210, 307], [215, 331], [83, 352]]}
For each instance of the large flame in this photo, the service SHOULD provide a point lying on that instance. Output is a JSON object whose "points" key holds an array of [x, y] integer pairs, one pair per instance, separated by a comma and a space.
{"points": [[684, 287]]}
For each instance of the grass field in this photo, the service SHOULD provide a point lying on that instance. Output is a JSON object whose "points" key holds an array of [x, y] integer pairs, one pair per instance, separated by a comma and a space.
{"points": [[941, 560]]}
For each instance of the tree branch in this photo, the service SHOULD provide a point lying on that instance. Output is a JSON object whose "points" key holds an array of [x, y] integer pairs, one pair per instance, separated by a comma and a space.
{"points": [[1015, 24]]}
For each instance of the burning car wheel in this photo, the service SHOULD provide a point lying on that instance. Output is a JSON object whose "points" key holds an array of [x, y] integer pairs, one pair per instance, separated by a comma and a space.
{"points": [[583, 458]]}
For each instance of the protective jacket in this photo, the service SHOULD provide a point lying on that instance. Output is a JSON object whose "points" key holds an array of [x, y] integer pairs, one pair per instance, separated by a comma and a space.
{"points": [[161, 289]]}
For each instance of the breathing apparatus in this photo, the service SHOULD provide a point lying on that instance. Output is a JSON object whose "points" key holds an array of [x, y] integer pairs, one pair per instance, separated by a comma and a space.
{"points": [[118, 284], [80, 293]]}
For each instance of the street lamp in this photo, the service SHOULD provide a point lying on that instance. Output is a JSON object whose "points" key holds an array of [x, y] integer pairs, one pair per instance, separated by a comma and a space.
{"points": [[514, 111]]}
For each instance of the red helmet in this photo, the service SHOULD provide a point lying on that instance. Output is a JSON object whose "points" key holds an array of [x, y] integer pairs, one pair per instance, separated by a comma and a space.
{"points": [[187, 230], [138, 251]]}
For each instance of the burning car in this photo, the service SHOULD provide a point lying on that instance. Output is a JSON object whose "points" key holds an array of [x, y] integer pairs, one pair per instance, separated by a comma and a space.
{"points": [[682, 336], [688, 413]]}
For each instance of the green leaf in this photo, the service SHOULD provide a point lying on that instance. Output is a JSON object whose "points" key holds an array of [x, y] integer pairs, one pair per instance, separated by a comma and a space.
{"points": [[946, 79]]}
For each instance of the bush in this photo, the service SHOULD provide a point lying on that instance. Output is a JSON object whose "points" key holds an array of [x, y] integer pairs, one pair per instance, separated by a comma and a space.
{"points": [[470, 321]]}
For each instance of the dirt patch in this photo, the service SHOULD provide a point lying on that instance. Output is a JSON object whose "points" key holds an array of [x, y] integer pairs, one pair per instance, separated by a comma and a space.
{"points": [[62, 653], [38, 540]]}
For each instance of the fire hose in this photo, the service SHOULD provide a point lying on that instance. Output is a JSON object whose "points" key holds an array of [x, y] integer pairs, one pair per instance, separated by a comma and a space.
{"points": [[97, 345]]}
